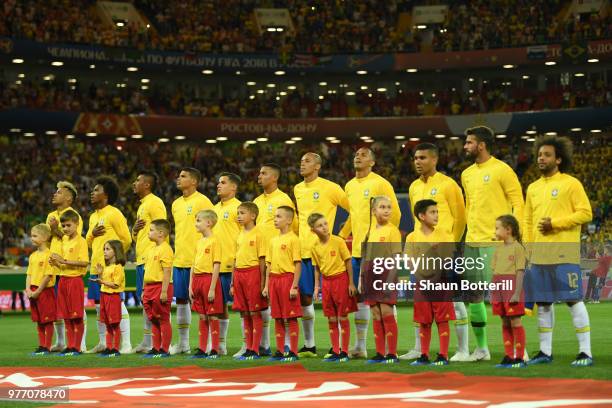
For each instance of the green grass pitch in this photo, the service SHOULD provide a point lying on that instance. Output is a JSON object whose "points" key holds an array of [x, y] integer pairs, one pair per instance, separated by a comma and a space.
{"points": [[19, 338]]}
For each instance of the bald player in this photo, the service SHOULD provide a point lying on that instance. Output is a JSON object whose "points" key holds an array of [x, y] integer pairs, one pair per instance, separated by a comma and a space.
{"points": [[267, 203], [491, 189], [184, 210], [433, 185], [151, 208], [63, 200], [226, 231], [360, 190], [314, 194]]}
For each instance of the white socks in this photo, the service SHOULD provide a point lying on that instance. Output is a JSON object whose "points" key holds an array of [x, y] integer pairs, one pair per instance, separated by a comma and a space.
{"points": [[243, 333], [223, 326], [308, 320], [265, 336], [546, 322], [362, 318], [580, 318], [60, 333], [84, 339], [183, 321], [461, 327], [101, 327], [417, 337], [124, 327], [146, 328]]}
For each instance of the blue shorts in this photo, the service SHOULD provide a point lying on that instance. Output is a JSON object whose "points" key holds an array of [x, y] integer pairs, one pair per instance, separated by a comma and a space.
{"points": [[356, 264], [553, 283], [226, 283], [180, 282], [306, 283], [93, 289], [139, 280]]}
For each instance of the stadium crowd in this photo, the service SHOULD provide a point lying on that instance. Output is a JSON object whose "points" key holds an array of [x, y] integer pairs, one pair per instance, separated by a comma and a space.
{"points": [[299, 103], [31, 167], [320, 27]]}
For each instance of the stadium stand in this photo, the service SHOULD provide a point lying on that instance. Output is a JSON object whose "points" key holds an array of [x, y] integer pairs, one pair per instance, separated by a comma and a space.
{"points": [[185, 100], [37, 163], [320, 28]]}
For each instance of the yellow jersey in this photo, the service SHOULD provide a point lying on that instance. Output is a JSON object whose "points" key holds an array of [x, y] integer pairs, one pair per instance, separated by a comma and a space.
{"points": [[491, 189], [283, 252], [267, 205], [508, 259], [38, 267], [250, 246], [330, 257], [322, 196], [208, 253], [151, 208], [447, 193], [359, 192], [562, 198], [56, 243], [113, 274], [184, 210], [74, 249], [158, 258], [226, 230], [115, 226]]}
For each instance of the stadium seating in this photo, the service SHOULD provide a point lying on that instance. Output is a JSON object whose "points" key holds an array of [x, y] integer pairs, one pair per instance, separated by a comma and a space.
{"points": [[160, 99], [32, 166], [321, 27]]}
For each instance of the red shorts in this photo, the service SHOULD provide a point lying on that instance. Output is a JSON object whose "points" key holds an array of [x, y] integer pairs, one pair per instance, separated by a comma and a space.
{"points": [[110, 308], [336, 299], [154, 308], [281, 306], [427, 312], [43, 309], [247, 290], [70, 297], [500, 299], [200, 287]]}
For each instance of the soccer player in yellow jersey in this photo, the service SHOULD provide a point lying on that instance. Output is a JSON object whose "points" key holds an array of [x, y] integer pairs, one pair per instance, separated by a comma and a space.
{"points": [[184, 210], [106, 223], [63, 199], [314, 194], [433, 185], [359, 190], [556, 208], [491, 189], [267, 203], [226, 231], [151, 208]]}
